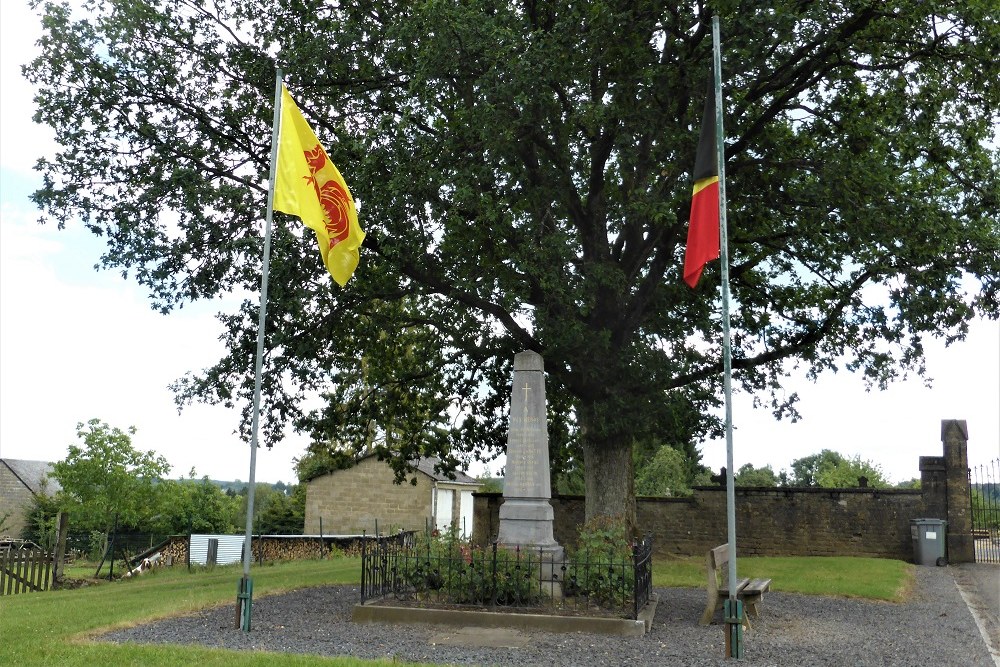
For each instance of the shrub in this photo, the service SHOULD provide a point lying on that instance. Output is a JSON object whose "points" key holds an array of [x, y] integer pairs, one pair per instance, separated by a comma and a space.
{"points": [[601, 566], [450, 568]]}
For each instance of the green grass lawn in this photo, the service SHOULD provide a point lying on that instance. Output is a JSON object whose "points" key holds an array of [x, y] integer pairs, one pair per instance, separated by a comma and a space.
{"points": [[54, 628], [870, 578]]}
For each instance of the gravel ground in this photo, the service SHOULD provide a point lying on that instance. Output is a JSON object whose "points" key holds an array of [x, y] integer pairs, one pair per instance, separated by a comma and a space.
{"points": [[933, 629]]}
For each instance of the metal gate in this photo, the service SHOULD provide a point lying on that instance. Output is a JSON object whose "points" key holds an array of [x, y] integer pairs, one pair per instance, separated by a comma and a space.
{"points": [[984, 491]]}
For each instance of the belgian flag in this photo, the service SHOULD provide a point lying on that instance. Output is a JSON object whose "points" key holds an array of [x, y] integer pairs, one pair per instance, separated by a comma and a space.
{"points": [[703, 225]]}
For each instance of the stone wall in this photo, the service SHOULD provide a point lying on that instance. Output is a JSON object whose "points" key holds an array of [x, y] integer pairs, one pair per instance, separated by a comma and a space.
{"points": [[15, 501], [351, 501], [792, 521], [769, 521]]}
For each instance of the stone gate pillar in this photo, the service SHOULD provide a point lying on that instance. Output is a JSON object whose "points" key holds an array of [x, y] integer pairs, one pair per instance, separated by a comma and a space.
{"points": [[933, 487], [955, 436]]}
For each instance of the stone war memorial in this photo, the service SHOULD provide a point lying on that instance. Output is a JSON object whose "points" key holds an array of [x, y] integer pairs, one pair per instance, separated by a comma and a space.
{"points": [[522, 578], [526, 514]]}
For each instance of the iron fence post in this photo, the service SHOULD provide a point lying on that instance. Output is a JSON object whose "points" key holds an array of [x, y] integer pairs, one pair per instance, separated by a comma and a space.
{"points": [[493, 577], [363, 566], [635, 580]]}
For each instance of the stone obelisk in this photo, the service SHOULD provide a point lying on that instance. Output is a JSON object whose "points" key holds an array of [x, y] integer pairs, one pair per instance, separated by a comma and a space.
{"points": [[526, 514]]}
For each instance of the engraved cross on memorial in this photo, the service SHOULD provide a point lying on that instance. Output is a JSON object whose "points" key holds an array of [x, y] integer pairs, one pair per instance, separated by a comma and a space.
{"points": [[526, 514]]}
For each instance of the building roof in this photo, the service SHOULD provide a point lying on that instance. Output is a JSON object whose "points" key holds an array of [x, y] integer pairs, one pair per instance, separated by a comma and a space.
{"points": [[426, 466], [32, 474]]}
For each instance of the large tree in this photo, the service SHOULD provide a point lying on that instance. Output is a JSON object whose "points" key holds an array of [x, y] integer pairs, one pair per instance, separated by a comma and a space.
{"points": [[106, 481], [523, 171]]}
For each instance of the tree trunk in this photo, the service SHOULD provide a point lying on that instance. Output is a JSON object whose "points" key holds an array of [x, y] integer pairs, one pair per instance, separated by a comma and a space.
{"points": [[59, 555], [610, 480]]}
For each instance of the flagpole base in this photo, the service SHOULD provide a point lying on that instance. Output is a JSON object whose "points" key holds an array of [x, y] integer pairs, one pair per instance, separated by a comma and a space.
{"points": [[244, 603], [734, 628]]}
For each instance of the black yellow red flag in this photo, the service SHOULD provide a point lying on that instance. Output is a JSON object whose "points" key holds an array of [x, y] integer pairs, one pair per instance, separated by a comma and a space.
{"points": [[703, 225]]}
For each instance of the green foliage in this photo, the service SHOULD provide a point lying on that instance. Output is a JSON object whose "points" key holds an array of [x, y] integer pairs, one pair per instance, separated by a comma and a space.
{"points": [[97, 545], [524, 174], [448, 568], [40, 522], [275, 512], [913, 483], [806, 469], [986, 507], [747, 475], [569, 481], [601, 565], [193, 506], [282, 513], [231, 488], [445, 568], [702, 477], [490, 484], [848, 474], [666, 474], [106, 480], [686, 423], [320, 459], [830, 469]]}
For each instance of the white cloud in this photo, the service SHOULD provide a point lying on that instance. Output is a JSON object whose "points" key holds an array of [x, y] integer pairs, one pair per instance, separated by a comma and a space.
{"points": [[892, 428], [21, 140], [76, 345]]}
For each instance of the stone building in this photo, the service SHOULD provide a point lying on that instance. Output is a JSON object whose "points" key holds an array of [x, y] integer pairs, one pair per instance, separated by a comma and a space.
{"points": [[351, 501], [20, 482]]}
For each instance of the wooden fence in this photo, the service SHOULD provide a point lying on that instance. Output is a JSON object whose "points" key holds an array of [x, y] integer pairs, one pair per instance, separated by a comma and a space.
{"points": [[24, 570]]}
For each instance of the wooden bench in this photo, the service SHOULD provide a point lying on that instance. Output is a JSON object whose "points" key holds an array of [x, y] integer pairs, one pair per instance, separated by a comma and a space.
{"points": [[750, 591]]}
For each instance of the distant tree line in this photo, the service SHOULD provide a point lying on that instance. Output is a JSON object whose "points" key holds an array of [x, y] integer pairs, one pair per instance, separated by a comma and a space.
{"points": [[106, 486], [669, 471], [827, 469]]}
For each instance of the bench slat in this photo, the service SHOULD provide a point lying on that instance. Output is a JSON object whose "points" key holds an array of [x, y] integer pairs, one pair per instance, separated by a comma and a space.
{"points": [[757, 586], [740, 585]]}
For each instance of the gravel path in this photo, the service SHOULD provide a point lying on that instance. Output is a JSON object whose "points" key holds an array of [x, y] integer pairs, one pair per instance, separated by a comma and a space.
{"points": [[934, 629]]}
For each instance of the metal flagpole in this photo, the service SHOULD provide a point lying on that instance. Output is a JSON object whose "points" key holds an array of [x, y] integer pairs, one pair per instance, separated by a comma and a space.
{"points": [[244, 597], [733, 606]]}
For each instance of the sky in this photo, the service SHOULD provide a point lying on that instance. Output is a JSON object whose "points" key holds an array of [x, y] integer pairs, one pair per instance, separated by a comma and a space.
{"points": [[78, 344]]}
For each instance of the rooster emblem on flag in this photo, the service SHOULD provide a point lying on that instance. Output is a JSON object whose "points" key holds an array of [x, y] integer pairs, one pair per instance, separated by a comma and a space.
{"points": [[309, 185], [332, 196]]}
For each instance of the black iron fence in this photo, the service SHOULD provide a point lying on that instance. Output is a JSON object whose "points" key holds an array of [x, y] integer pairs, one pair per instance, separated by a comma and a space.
{"points": [[642, 555], [984, 489], [446, 573]]}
